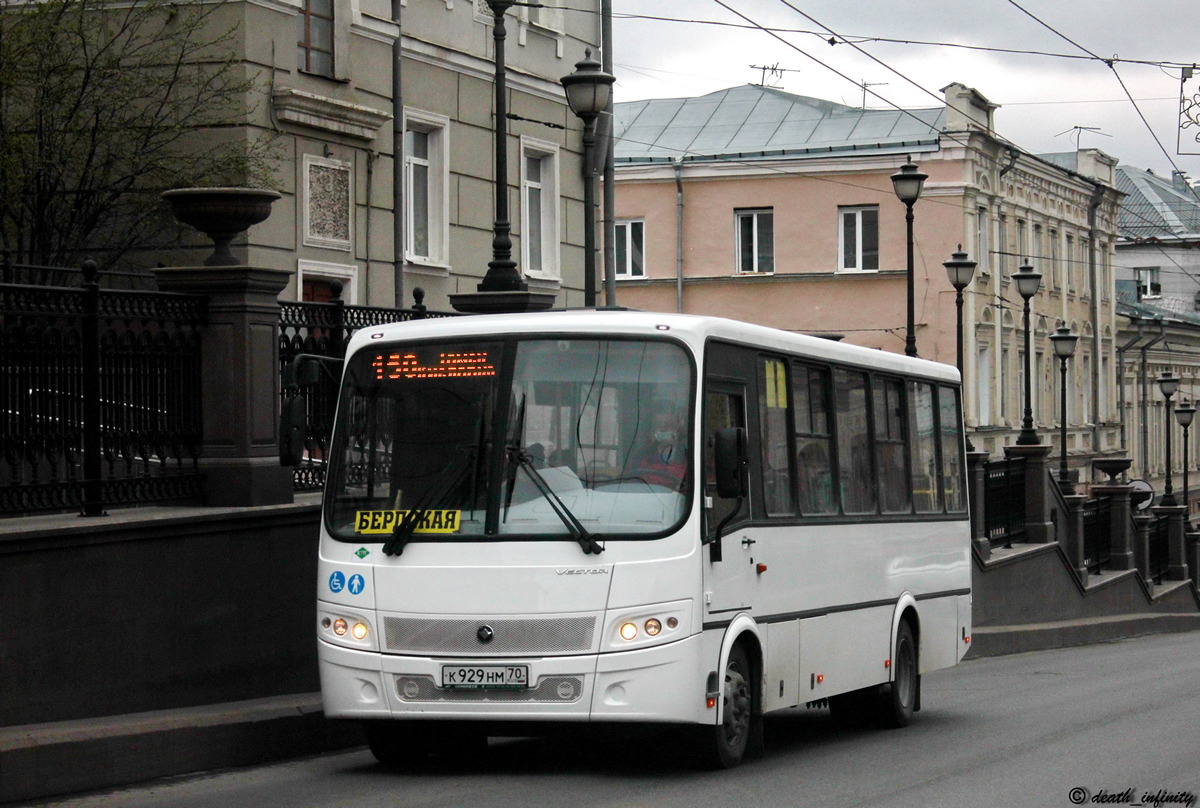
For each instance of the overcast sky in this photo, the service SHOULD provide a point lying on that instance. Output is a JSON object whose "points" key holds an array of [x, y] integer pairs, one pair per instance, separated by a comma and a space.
{"points": [[1042, 97]]}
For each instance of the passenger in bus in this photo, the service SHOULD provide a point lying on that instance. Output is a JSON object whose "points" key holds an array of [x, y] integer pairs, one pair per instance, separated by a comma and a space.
{"points": [[662, 457]]}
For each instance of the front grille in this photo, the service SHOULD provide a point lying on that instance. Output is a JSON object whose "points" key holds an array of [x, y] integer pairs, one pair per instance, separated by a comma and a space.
{"points": [[519, 637], [552, 689]]}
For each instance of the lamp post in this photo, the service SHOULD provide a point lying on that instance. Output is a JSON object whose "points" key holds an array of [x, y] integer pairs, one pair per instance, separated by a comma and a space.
{"points": [[907, 183], [960, 269], [1184, 414], [1064, 349], [1027, 282], [588, 90], [1168, 383]]}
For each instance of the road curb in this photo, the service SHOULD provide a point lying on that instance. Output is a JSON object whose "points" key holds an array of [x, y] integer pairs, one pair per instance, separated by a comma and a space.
{"points": [[45, 760], [1017, 639]]}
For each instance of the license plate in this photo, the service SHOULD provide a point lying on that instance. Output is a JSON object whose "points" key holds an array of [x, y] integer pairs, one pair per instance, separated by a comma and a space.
{"points": [[479, 676]]}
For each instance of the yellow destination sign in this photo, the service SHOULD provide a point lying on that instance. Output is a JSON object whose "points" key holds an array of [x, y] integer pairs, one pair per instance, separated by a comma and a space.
{"points": [[368, 522]]}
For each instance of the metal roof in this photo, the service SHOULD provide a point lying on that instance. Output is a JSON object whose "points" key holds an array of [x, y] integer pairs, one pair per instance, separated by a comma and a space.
{"points": [[1156, 207], [754, 121]]}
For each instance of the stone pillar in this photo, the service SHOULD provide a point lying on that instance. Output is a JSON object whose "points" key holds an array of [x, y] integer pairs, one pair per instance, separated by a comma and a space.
{"points": [[1193, 557], [1072, 540], [977, 491], [240, 381], [1177, 569], [1141, 544], [1120, 528], [1038, 527]]}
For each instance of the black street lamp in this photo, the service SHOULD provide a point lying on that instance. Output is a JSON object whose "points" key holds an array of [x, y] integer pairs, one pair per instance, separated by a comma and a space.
{"points": [[1064, 349], [588, 90], [1168, 383], [960, 269], [1184, 414], [1027, 282], [907, 183]]}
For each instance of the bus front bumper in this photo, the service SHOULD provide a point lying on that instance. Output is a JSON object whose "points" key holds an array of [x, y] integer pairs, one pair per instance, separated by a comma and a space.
{"points": [[663, 683]]}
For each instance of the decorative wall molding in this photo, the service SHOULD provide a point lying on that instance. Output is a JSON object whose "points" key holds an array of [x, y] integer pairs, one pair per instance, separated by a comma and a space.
{"points": [[328, 114]]}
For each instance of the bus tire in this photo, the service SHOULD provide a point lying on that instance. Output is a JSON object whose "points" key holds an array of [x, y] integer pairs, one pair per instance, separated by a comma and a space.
{"points": [[724, 745], [899, 700], [394, 744]]}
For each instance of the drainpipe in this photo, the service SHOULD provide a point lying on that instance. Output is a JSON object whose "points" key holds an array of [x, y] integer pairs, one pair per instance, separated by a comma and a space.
{"points": [[610, 175], [679, 234], [1097, 363], [1145, 393], [397, 165]]}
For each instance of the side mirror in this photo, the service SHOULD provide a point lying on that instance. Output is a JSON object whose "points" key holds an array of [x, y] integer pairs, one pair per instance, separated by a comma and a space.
{"points": [[293, 422], [730, 456]]}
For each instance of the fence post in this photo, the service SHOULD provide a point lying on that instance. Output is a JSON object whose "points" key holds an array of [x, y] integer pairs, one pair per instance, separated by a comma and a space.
{"points": [[1120, 530], [1072, 540], [1177, 569], [1193, 548], [977, 490], [239, 381], [1038, 528], [1141, 544], [93, 486]]}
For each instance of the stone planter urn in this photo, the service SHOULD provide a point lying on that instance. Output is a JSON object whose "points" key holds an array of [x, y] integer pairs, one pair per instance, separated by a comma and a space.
{"points": [[1112, 466], [221, 214]]}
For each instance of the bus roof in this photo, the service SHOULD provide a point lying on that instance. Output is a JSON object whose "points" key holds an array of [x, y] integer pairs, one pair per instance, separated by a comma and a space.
{"points": [[692, 329]]}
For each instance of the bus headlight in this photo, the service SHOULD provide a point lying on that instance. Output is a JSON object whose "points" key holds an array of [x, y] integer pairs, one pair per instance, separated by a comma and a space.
{"points": [[348, 629], [359, 632], [649, 625], [339, 626]]}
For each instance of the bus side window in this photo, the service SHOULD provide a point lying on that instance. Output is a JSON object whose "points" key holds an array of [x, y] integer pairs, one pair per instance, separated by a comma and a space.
{"points": [[722, 409], [814, 452], [773, 402], [950, 419], [855, 463], [927, 493], [890, 444]]}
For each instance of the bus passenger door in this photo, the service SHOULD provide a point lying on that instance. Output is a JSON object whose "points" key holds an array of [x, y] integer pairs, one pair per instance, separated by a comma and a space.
{"points": [[729, 572]]}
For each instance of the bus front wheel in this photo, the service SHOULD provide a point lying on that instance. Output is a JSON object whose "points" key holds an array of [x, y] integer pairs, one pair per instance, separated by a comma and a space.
{"points": [[724, 745]]}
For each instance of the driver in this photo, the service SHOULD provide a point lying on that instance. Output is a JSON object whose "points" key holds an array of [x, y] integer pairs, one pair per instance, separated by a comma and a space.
{"points": [[662, 457]]}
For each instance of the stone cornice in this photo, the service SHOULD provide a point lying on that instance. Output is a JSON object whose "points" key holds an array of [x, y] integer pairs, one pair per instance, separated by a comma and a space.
{"points": [[318, 112]]}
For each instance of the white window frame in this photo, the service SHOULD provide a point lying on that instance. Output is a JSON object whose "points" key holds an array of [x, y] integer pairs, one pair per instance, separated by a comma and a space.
{"points": [[983, 227], [624, 234], [547, 154], [346, 273], [857, 212], [315, 240], [751, 213], [437, 127]]}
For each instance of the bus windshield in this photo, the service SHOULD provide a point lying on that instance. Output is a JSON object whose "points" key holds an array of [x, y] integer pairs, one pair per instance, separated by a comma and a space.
{"points": [[583, 439]]}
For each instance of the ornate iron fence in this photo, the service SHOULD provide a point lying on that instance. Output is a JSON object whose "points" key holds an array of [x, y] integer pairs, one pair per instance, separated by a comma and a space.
{"points": [[1004, 501], [99, 397], [325, 329], [1097, 533]]}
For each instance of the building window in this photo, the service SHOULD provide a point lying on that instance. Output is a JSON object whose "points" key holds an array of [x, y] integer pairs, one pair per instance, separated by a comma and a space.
{"points": [[982, 224], [1147, 282], [630, 256], [859, 239], [328, 209], [425, 188], [539, 208], [315, 37], [755, 240], [1056, 265], [1022, 243], [1003, 260], [317, 278], [983, 385]]}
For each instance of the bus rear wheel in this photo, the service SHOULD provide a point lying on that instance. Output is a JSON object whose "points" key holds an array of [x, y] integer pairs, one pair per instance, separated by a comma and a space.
{"points": [[899, 700]]}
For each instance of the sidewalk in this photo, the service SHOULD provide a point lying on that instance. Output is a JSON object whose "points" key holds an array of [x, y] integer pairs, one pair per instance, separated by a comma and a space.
{"points": [[40, 761]]}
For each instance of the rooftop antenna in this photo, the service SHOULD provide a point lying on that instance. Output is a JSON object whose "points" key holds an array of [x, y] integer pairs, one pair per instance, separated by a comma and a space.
{"points": [[865, 85], [1079, 130], [776, 73]]}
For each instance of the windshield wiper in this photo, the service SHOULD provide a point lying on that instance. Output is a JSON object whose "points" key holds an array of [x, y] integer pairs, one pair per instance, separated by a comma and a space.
{"points": [[443, 486], [587, 541]]}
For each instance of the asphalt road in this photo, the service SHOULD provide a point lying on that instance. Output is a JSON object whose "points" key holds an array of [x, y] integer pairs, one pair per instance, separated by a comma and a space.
{"points": [[1113, 724]]}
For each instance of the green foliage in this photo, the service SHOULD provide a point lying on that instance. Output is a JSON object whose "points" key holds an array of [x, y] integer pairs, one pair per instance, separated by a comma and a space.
{"points": [[103, 105]]}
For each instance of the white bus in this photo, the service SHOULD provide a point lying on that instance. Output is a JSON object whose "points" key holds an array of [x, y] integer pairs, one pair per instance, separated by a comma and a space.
{"points": [[612, 516]]}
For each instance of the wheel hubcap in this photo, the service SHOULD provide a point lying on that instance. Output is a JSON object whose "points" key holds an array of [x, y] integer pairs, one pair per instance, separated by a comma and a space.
{"points": [[737, 706]]}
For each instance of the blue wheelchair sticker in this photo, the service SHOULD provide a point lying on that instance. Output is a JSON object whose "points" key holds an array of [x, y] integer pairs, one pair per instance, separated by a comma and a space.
{"points": [[337, 581], [356, 584]]}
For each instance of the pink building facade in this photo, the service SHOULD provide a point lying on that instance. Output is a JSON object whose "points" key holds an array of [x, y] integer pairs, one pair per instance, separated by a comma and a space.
{"points": [[759, 205]]}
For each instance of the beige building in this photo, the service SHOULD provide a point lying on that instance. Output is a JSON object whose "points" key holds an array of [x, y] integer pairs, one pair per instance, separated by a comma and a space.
{"points": [[389, 185], [765, 206]]}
